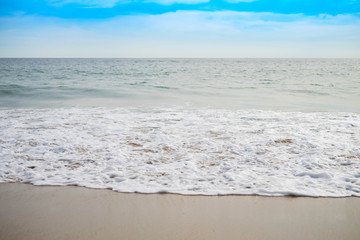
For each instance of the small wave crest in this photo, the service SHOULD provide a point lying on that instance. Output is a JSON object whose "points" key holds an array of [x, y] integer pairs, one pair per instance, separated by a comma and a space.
{"points": [[13, 90]]}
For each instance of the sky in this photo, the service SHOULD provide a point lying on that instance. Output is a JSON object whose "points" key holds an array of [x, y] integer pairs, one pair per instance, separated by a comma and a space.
{"points": [[180, 28]]}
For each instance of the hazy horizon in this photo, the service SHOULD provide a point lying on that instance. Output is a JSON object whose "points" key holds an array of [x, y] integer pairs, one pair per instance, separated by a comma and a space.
{"points": [[180, 58]]}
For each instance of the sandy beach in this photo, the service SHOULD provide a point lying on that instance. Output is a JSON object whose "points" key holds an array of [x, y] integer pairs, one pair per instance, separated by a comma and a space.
{"points": [[45, 212]]}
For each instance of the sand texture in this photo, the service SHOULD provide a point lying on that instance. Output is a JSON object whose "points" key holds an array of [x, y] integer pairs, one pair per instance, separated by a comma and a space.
{"points": [[32, 212]]}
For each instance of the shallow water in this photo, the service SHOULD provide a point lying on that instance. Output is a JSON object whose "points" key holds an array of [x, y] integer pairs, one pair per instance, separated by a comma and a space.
{"points": [[190, 126], [273, 84]]}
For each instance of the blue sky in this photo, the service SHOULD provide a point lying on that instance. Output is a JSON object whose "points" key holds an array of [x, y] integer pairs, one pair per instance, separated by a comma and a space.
{"points": [[179, 28]]}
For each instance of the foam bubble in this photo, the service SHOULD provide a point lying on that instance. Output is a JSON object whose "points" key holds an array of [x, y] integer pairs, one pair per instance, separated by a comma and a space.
{"points": [[187, 151]]}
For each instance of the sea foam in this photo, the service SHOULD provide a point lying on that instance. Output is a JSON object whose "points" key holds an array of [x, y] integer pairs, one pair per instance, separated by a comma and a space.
{"points": [[183, 150]]}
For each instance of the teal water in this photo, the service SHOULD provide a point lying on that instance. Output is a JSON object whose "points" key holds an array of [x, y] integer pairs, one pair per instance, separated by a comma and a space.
{"points": [[268, 84]]}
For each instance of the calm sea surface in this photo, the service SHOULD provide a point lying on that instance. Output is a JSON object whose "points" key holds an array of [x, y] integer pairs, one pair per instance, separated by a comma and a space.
{"points": [[276, 84], [191, 126]]}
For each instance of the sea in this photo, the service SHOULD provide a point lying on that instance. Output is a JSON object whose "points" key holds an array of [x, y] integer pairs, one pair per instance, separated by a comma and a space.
{"points": [[273, 127]]}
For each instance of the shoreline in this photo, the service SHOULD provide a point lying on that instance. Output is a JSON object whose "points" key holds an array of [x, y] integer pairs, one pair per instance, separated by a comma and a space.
{"points": [[185, 194], [70, 212]]}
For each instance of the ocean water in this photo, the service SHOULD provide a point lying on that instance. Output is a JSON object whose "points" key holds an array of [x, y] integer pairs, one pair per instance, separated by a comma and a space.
{"points": [[190, 126]]}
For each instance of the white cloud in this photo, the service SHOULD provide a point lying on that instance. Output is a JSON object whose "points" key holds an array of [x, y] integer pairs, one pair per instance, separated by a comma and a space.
{"points": [[92, 3], [112, 3], [183, 34]]}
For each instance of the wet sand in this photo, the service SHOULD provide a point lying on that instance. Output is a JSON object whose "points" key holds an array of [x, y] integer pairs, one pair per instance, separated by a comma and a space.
{"points": [[30, 212]]}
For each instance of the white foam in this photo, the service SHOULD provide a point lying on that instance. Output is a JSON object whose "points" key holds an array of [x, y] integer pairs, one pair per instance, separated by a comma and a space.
{"points": [[187, 151]]}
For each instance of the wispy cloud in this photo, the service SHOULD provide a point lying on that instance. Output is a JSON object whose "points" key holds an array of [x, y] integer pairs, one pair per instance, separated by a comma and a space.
{"points": [[179, 28], [91, 3], [100, 9], [184, 34], [112, 3]]}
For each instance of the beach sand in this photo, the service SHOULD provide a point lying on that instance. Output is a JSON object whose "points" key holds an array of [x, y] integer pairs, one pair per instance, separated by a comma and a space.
{"points": [[34, 212]]}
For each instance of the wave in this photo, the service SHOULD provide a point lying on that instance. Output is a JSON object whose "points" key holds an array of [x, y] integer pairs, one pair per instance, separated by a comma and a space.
{"points": [[14, 90], [53, 92], [287, 84], [183, 150]]}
